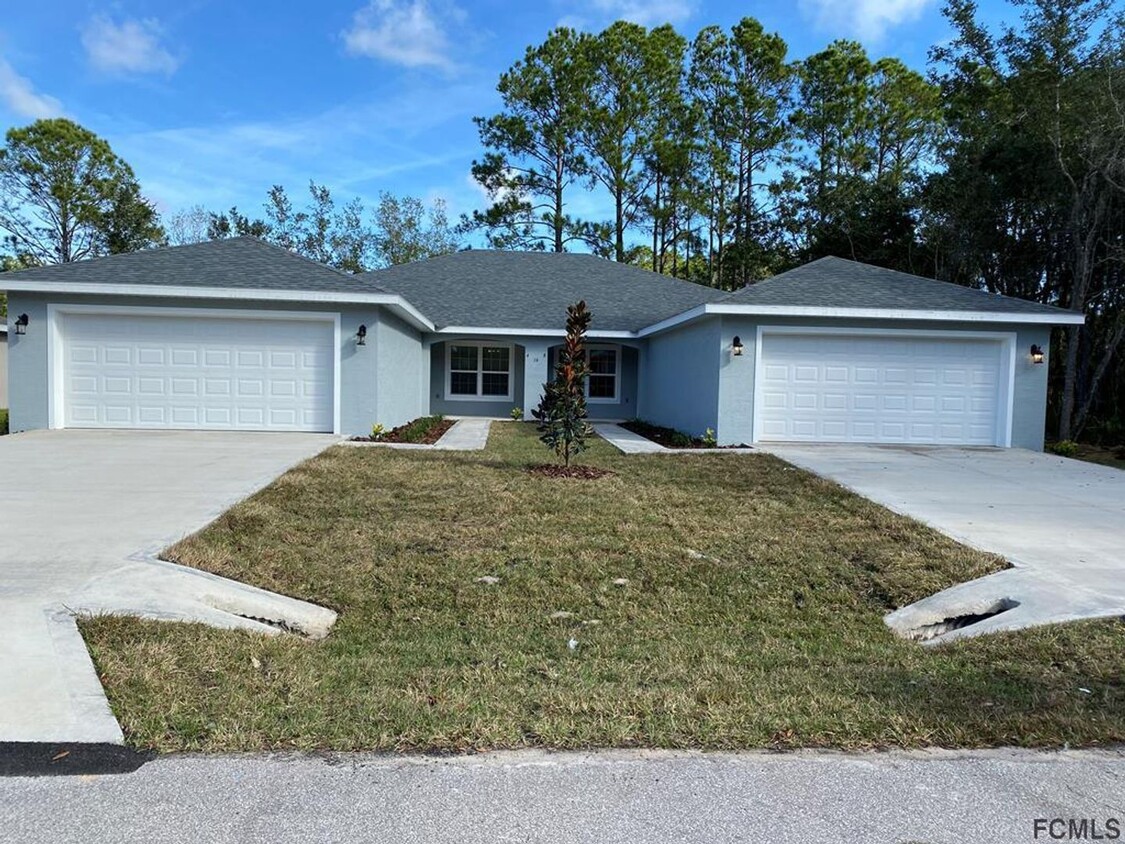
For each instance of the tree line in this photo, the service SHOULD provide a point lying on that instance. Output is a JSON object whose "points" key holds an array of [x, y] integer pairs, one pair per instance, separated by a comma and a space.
{"points": [[722, 160]]}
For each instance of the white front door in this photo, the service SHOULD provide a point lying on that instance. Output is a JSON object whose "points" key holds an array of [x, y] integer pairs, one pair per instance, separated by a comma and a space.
{"points": [[122, 370], [882, 388]]}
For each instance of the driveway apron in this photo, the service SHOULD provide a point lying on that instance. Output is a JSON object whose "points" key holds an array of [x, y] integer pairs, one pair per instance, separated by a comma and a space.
{"points": [[83, 515]]}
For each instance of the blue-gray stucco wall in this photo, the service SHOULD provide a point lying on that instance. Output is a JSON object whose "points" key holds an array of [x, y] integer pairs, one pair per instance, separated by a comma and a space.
{"points": [[736, 374], [368, 392], [680, 377]]}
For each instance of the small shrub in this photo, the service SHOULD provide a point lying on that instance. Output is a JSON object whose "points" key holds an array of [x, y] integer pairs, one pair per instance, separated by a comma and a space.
{"points": [[1064, 448], [681, 440], [377, 431], [3, 420], [517, 414], [416, 430], [709, 440]]}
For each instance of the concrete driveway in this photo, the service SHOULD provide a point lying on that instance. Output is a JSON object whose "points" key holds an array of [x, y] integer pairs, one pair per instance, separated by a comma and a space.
{"points": [[1060, 522], [84, 513]]}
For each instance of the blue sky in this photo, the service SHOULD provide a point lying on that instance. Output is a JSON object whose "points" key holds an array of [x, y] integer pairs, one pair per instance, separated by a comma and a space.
{"points": [[213, 101]]}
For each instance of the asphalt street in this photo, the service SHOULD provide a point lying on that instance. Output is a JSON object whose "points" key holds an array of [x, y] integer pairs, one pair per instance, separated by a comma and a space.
{"points": [[636, 797]]}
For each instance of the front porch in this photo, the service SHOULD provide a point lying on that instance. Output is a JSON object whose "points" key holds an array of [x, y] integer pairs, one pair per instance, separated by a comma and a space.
{"points": [[489, 376]]}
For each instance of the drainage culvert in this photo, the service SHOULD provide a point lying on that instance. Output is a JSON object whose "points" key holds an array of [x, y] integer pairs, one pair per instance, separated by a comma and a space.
{"points": [[967, 617]]}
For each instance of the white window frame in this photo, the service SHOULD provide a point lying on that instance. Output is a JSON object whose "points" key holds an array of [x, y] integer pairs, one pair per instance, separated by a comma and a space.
{"points": [[610, 347], [478, 344]]}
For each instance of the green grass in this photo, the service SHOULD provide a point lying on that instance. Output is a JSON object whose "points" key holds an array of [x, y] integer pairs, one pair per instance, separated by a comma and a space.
{"points": [[752, 617], [1114, 457]]}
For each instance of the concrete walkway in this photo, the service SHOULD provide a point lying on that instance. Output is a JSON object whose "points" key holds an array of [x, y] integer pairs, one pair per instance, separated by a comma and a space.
{"points": [[1060, 522], [627, 441], [84, 513], [466, 435], [638, 797]]}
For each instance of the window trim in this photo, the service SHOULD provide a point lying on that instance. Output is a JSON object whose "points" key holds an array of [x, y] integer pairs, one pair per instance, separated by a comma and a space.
{"points": [[478, 396], [616, 349]]}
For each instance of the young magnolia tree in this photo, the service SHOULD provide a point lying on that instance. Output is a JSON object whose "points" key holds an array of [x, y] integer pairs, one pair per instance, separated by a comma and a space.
{"points": [[562, 410]]}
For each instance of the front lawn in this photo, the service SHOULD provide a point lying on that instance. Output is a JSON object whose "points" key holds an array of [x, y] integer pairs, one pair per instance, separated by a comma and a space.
{"points": [[712, 601]]}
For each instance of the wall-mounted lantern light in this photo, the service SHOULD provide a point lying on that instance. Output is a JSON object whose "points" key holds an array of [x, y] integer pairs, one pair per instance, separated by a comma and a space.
{"points": [[1036, 354], [21, 324], [361, 336], [736, 346]]}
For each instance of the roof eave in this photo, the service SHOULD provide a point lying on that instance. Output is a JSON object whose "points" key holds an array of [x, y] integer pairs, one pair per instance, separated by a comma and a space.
{"points": [[1060, 317], [494, 331], [259, 294]]}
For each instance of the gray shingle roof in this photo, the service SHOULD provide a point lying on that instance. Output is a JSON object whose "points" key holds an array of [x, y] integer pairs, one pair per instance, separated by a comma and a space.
{"points": [[839, 283], [524, 290], [486, 288], [238, 262]]}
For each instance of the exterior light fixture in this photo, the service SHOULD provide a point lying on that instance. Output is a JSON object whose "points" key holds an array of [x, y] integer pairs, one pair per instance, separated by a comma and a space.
{"points": [[361, 336], [1036, 354], [736, 346], [21, 324]]}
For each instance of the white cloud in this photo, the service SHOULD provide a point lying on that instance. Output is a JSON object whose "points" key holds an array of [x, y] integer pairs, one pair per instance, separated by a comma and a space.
{"points": [[649, 13], [132, 46], [404, 32], [646, 12], [867, 20], [20, 97]]}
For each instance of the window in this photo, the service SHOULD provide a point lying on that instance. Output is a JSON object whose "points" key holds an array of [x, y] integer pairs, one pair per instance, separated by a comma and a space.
{"points": [[479, 371], [601, 383]]}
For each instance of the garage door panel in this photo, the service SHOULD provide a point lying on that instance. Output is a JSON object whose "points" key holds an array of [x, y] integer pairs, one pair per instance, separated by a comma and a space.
{"points": [[880, 388], [129, 370]]}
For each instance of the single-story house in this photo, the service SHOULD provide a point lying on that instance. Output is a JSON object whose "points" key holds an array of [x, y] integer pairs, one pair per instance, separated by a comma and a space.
{"points": [[240, 334]]}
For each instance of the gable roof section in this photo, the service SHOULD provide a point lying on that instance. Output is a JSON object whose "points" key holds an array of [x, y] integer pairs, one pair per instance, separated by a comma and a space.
{"points": [[839, 283], [836, 288], [237, 263], [235, 268], [531, 290]]}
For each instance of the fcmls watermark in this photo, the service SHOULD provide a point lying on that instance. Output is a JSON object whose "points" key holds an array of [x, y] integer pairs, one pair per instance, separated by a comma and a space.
{"points": [[1077, 829]]}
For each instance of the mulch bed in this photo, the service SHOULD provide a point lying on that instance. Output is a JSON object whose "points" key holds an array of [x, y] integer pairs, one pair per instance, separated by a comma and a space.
{"points": [[668, 437], [584, 473], [396, 435]]}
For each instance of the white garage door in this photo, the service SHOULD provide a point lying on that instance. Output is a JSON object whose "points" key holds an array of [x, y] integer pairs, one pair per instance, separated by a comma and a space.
{"points": [[144, 371], [882, 389]]}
